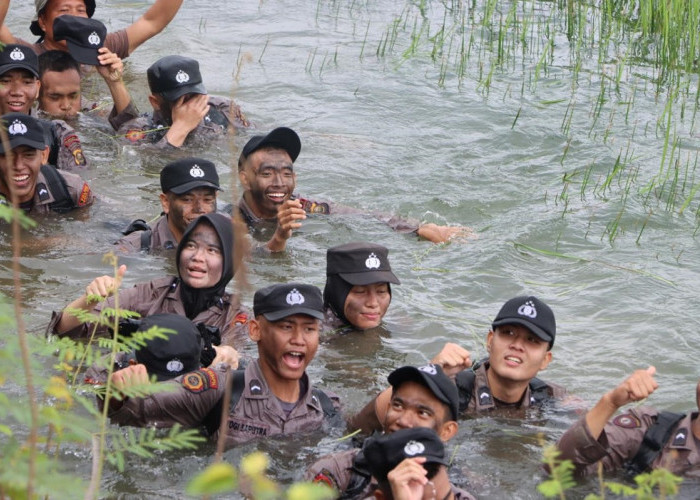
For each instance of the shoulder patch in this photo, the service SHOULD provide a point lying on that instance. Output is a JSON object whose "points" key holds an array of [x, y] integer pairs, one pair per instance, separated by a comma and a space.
{"points": [[627, 421], [72, 143], [84, 197], [200, 381], [326, 477], [135, 135], [42, 191], [240, 319], [313, 207], [680, 438]]}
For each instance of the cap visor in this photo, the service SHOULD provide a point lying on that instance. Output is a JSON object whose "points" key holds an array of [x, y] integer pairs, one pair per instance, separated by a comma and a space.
{"points": [[519, 321], [7, 67], [413, 374], [175, 94], [189, 186], [83, 55], [278, 315], [23, 141], [367, 278]]}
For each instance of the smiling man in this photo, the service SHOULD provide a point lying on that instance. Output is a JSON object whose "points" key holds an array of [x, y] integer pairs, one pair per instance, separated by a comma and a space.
{"points": [[190, 187], [272, 396], [266, 172], [420, 397], [38, 187], [519, 346]]}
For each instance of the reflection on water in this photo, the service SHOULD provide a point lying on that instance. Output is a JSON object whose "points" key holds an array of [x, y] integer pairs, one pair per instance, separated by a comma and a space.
{"points": [[380, 134]]}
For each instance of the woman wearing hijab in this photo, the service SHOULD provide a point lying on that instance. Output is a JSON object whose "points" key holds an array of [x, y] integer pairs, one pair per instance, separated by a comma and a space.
{"points": [[205, 266], [358, 292]]}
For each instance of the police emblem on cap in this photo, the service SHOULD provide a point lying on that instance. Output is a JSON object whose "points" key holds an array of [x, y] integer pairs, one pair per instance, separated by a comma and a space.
{"points": [[175, 366], [94, 39], [17, 55], [196, 171], [429, 369], [17, 128], [373, 261], [528, 309], [182, 77], [413, 448], [295, 298]]}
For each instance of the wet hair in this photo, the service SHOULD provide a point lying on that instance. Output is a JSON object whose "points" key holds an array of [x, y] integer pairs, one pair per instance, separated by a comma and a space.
{"points": [[58, 61]]}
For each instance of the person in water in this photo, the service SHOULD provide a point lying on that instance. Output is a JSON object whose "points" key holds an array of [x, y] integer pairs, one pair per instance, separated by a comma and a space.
{"points": [[204, 260], [358, 292]]}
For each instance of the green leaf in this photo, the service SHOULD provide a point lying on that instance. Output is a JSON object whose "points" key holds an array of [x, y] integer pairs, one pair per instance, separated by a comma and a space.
{"points": [[217, 478]]}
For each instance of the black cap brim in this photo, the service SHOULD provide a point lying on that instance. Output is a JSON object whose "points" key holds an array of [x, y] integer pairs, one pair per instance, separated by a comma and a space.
{"points": [[83, 55], [23, 141], [367, 278], [189, 186], [530, 326], [411, 373], [7, 67], [291, 311], [175, 94], [281, 137]]}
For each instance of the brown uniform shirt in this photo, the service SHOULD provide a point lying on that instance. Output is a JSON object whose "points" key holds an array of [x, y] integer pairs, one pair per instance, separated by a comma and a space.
{"points": [[66, 149], [258, 413], [621, 439], [162, 295], [161, 238]]}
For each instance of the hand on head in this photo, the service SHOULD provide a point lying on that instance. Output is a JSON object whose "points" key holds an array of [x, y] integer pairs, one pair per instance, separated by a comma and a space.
{"points": [[408, 480], [636, 387], [453, 359], [189, 110], [226, 354], [104, 286], [130, 376]]}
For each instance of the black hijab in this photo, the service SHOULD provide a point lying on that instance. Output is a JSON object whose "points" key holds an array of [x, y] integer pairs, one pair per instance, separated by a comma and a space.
{"points": [[197, 300], [334, 295]]}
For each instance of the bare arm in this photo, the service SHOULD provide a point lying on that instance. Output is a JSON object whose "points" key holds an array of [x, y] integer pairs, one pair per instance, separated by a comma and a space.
{"points": [[111, 68], [152, 22], [104, 286], [5, 35], [636, 387]]}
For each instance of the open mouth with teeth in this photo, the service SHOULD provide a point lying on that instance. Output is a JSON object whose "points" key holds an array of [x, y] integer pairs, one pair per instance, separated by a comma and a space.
{"points": [[21, 180], [16, 106], [294, 359], [276, 196], [513, 360]]}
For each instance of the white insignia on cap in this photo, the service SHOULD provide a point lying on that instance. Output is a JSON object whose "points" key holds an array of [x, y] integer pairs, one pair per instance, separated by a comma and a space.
{"points": [[373, 261], [94, 39], [429, 369], [528, 309], [295, 298], [413, 448], [17, 54], [196, 171], [17, 127], [175, 366], [182, 77]]}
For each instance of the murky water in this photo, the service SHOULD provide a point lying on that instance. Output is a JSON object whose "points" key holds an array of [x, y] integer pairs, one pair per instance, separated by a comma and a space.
{"points": [[383, 134]]}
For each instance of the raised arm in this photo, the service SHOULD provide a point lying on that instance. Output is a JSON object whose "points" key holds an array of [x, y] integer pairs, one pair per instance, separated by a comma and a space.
{"points": [[111, 68], [151, 23], [5, 35]]}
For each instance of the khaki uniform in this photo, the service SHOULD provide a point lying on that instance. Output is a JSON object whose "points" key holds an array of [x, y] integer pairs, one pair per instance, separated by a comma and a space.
{"points": [[621, 439], [117, 42], [160, 238], [162, 295], [151, 129], [482, 400], [79, 194], [258, 413], [66, 150]]}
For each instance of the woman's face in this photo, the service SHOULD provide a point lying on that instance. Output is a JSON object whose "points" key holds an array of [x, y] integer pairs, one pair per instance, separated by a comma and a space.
{"points": [[366, 305], [201, 259]]}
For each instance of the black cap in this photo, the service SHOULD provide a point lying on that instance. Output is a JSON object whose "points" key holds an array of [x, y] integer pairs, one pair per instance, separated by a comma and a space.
{"points": [[14, 56], [41, 4], [279, 301], [282, 138], [432, 377], [175, 76], [383, 453], [178, 354], [360, 263], [23, 130], [82, 35], [531, 313], [187, 174]]}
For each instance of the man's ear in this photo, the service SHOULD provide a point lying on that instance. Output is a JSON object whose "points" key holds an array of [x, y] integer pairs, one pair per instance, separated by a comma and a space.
{"points": [[547, 359], [243, 178], [45, 155], [254, 330], [489, 339], [155, 102], [164, 203], [448, 430]]}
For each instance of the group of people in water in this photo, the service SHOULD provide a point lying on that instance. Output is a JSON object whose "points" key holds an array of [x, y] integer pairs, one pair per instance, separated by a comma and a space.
{"points": [[409, 423]]}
